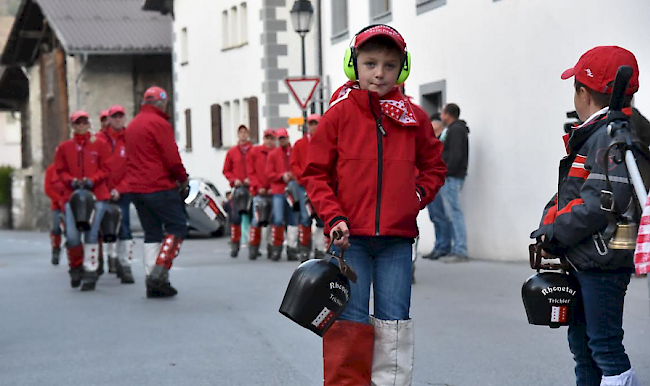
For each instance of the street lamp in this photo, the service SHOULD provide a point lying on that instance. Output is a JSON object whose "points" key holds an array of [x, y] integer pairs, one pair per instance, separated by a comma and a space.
{"points": [[301, 14]]}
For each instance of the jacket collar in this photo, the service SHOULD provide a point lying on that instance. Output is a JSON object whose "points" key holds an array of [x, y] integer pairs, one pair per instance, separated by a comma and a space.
{"points": [[150, 109], [81, 139]]}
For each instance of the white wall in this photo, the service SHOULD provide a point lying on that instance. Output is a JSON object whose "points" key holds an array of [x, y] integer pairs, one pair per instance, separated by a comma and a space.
{"points": [[10, 139]]}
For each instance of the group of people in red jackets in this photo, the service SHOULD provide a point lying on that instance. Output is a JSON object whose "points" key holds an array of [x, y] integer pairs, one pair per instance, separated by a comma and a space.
{"points": [[266, 171], [120, 165]]}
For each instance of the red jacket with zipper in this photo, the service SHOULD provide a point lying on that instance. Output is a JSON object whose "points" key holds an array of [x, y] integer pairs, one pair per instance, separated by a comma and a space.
{"points": [[153, 163], [298, 159], [362, 164], [277, 165], [54, 188], [234, 167], [116, 144], [83, 156], [256, 165]]}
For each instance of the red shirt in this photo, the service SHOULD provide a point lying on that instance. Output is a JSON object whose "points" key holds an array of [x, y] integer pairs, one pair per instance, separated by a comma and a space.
{"points": [[234, 167], [115, 139], [358, 174], [298, 159], [277, 165], [153, 163], [83, 156], [54, 188], [256, 166]]}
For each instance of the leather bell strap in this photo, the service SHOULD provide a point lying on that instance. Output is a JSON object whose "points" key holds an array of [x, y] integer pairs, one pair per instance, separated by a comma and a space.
{"points": [[535, 256]]}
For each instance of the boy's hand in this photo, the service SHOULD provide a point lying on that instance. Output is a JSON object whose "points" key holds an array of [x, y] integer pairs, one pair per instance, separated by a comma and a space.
{"points": [[343, 241]]}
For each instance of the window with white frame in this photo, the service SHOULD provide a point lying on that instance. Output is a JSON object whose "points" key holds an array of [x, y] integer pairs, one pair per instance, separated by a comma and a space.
{"points": [[227, 125], [339, 18], [245, 119], [236, 114], [243, 14], [234, 22], [185, 57], [225, 30], [379, 9]]}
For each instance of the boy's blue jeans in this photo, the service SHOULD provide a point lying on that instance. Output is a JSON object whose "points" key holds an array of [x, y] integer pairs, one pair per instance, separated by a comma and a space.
{"points": [[124, 203], [282, 213], [72, 234], [596, 334], [384, 262], [57, 215], [305, 219], [441, 225], [161, 213], [450, 194]]}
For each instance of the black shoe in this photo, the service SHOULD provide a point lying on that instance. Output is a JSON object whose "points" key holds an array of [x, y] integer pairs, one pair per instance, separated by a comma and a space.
{"points": [[76, 274], [100, 268], [435, 255], [275, 253], [269, 251], [127, 276], [234, 249], [158, 285], [112, 265], [118, 269], [304, 251], [253, 252], [89, 281], [56, 253], [292, 254]]}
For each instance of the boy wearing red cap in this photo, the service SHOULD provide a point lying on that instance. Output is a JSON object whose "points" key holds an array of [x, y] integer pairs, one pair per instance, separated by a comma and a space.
{"points": [[81, 162], [298, 162], [278, 171], [236, 171], [54, 189], [103, 120], [120, 252], [573, 223], [259, 188], [362, 178]]}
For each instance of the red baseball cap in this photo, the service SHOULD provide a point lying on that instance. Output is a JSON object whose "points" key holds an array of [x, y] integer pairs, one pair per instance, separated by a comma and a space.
{"points": [[155, 94], [281, 132], [103, 114], [116, 109], [74, 117], [313, 117], [270, 132], [598, 67], [380, 30]]}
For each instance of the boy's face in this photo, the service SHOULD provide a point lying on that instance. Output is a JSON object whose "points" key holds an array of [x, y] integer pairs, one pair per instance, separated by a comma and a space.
{"points": [[284, 141], [81, 126], [243, 135], [117, 121], [269, 141], [378, 70], [311, 127]]}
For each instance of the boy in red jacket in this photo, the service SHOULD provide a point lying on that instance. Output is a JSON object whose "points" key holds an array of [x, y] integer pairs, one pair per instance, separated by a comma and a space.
{"points": [[54, 189], [235, 170], [120, 253], [278, 171], [81, 161], [362, 179], [259, 188]]}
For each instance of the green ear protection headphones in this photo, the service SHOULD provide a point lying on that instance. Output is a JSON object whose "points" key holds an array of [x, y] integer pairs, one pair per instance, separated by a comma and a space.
{"points": [[350, 59]]}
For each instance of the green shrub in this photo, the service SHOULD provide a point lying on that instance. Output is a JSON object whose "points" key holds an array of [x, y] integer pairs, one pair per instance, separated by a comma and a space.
{"points": [[5, 184]]}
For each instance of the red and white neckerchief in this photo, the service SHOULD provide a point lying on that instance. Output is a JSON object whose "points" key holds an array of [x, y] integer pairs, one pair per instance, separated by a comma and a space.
{"points": [[399, 109]]}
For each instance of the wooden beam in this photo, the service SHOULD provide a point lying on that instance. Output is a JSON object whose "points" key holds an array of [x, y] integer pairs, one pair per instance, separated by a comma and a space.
{"points": [[32, 34]]}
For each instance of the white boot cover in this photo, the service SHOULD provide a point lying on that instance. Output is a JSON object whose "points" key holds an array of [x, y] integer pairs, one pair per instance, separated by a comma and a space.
{"points": [[318, 238], [91, 257], [151, 251], [392, 361], [292, 236], [110, 249], [124, 252], [627, 378], [266, 236]]}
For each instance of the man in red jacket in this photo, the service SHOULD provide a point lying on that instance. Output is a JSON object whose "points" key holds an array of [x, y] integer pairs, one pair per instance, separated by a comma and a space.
{"points": [[298, 162], [154, 176], [235, 170], [81, 162], [278, 170], [119, 254], [54, 189], [362, 177], [259, 188]]}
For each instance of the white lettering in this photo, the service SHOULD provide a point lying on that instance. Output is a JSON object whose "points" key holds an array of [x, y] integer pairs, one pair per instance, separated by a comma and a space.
{"points": [[550, 290], [334, 285]]}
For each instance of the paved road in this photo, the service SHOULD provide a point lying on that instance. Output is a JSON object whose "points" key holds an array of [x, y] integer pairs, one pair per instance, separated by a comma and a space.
{"points": [[224, 327]]}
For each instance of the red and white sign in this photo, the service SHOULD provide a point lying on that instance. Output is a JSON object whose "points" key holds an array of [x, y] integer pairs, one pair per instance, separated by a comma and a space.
{"points": [[559, 314], [302, 89]]}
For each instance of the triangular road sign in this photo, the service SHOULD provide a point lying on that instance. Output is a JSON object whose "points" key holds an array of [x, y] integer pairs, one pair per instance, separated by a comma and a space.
{"points": [[302, 89]]}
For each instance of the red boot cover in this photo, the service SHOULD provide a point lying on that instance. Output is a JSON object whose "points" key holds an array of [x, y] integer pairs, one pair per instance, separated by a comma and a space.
{"points": [[256, 236], [347, 354], [76, 256], [277, 235], [169, 250], [55, 240], [304, 235], [235, 233]]}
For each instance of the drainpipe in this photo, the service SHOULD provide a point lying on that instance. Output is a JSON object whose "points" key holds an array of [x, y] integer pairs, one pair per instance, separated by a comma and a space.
{"points": [[319, 45], [84, 62]]}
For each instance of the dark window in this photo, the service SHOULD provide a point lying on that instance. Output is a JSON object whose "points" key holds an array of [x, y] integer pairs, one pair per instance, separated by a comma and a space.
{"points": [[254, 120], [188, 130], [433, 96], [422, 6], [380, 11], [339, 19], [217, 138]]}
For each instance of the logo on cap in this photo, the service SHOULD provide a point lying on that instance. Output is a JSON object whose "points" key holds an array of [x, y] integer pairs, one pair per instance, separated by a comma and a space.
{"points": [[589, 74]]}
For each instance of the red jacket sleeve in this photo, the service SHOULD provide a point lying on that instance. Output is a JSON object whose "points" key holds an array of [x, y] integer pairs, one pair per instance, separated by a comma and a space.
{"points": [[296, 161], [320, 171], [62, 169], [50, 190], [428, 161], [166, 142], [251, 159], [273, 172], [228, 168]]}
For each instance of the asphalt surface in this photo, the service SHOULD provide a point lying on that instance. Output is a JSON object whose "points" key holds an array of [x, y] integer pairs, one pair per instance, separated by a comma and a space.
{"points": [[224, 327]]}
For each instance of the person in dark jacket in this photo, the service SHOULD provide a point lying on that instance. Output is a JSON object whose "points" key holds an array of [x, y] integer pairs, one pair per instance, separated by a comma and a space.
{"points": [[456, 156], [573, 224], [372, 165], [155, 175], [54, 190]]}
